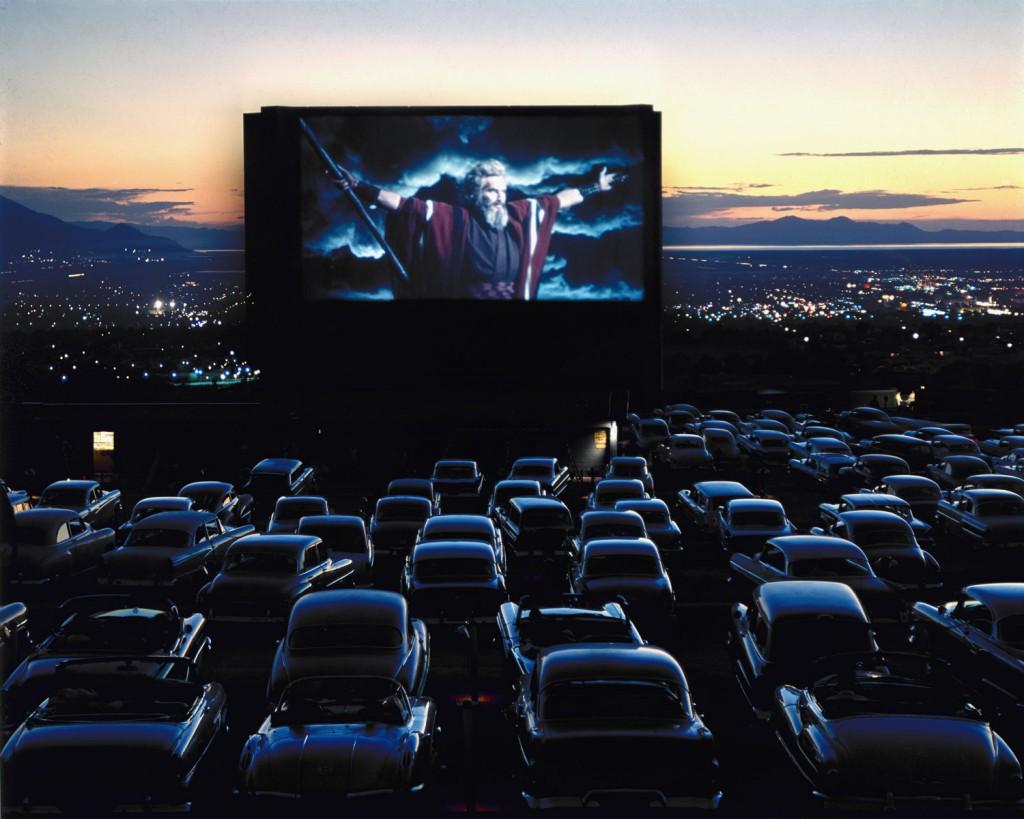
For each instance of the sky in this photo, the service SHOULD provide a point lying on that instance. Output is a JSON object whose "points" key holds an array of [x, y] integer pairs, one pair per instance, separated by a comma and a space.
{"points": [[904, 110]]}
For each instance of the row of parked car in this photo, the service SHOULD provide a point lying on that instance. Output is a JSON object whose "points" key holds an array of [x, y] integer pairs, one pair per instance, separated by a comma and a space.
{"points": [[348, 715]]}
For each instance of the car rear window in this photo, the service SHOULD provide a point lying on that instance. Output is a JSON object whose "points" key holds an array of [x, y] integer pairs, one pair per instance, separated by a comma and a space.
{"points": [[344, 635], [913, 493], [618, 565], [756, 520], [260, 562], [402, 513], [1001, 508], [347, 539], [63, 498], [823, 568], [454, 472], [548, 518], [294, 511], [165, 538], [454, 568], [613, 530], [612, 699]]}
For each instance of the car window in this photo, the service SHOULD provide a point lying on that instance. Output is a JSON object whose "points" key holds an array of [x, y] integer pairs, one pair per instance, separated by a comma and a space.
{"points": [[775, 559], [63, 532], [975, 613], [75, 527]]}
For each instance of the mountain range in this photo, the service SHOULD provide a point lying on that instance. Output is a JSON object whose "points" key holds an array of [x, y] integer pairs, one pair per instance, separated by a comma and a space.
{"points": [[792, 230]]}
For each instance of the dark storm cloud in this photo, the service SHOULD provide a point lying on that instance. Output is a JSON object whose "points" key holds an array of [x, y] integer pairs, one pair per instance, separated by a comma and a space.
{"points": [[920, 152], [677, 208], [101, 204]]}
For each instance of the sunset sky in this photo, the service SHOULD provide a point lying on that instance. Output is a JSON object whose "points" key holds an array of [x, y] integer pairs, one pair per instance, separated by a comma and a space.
{"points": [[901, 110]]}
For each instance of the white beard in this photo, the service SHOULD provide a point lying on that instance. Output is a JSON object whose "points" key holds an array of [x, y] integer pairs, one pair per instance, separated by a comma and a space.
{"points": [[496, 216]]}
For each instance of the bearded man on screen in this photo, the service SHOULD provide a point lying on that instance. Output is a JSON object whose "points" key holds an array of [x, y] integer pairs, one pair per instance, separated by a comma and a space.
{"points": [[489, 249]]}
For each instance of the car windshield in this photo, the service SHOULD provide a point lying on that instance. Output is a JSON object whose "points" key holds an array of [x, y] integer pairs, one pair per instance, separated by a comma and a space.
{"points": [[240, 561], [344, 636], [641, 565], [35, 535], [402, 513], [1001, 508], [143, 631], [454, 471], [166, 538], [347, 539], [531, 471], [539, 631], [598, 700], [203, 501], [454, 568], [63, 498], [823, 568], [875, 692], [756, 520], [296, 510], [127, 702], [607, 530], [333, 700]]}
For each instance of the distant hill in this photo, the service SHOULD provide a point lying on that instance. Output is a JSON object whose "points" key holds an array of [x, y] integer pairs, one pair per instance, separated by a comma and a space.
{"points": [[792, 230], [194, 238], [23, 229]]}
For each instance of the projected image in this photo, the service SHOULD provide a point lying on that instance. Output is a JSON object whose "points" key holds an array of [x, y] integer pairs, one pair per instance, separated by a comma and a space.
{"points": [[507, 207]]}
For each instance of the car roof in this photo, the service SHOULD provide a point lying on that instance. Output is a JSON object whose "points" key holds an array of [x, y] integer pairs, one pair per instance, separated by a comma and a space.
{"points": [[636, 460], [462, 522], [276, 466], [996, 477], [991, 494], [686, 436], [524, 503], [534, 461], [455, 462], [871, 517], [611, 484], [565, 664], [965, 459], [769, 434], [800, 547], [718, 489], [1003, 599], [638, 504], [801, 599], [72, 484], [168, 501], [185, 521], [39, 518], [755, 504], [869, 499], [288, 500], [593, 516], [440, 549], [826, 439], [909, 480], [400, 500], [953, 438], [397, 483], [619, 546], [206, 486], [883, 458], [294, 544], [334, 521], [898, 438], [362, 606]]}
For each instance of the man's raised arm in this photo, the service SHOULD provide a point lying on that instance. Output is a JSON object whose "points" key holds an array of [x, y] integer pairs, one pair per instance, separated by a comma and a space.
{"points": [[573, 196], [368, 193]]}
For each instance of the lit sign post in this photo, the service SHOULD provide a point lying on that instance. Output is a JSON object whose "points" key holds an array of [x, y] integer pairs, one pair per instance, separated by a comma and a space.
{"points": [[102, 454]]}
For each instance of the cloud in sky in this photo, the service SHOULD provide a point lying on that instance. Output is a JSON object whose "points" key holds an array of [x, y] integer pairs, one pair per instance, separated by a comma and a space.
{"points": [[736, 187], [681, 207], [102, 204], [920, 152], [556, 288], [990, 188]]}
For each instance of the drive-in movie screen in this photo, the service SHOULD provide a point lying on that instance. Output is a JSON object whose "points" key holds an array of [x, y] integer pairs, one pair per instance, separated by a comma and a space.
{"points": [[512, 206]]}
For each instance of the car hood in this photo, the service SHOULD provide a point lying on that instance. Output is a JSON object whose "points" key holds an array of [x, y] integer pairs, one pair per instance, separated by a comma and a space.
{"points": [[329, 759], [942, 754]]}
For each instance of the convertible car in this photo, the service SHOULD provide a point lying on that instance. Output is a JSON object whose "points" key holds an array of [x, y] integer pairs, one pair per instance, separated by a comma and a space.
{"points": [[353, 632], [145, 726], [332, 738], [609, 725], [894, 731]]}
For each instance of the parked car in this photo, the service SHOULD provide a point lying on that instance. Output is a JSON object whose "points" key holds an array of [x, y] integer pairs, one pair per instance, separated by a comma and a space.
{"points": [[505, 491], [625, 467], [820, 459], [1012, 464], [991, 480], [17, 499], [290, 510], [808, 431], [789, 626], [538, 527], [220, 498], [54, 545], [101, 626], [657, 521], [1001, 447], [888, 541], [458, 479], [721, 443], [527, 629], [151, 506], [872, 469], [866, 421], [830, 512], [416, 487], [396, 521], [983, 518], [680, 421], [548, 472], [650, 432], [96, 506], [724, 415], [766, 446], [340, 738], [124, 732], [453, 582], [981, 634], [917, 453], [921, 493], [685, 452], [15, 641], [345, 537], [352, 632], [608, 491], [171, 549], [273, 478], [893, 732], [952, 471], [630, 570], [946, 445], [599, 725], [755, 424], [264, 575], [610, 523], [475, 528], [814, 557], [700, 505], [746, 524]]}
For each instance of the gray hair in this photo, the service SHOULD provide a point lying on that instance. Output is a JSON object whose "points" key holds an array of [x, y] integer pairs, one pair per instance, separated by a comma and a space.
{"points": [[473, 180]]}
